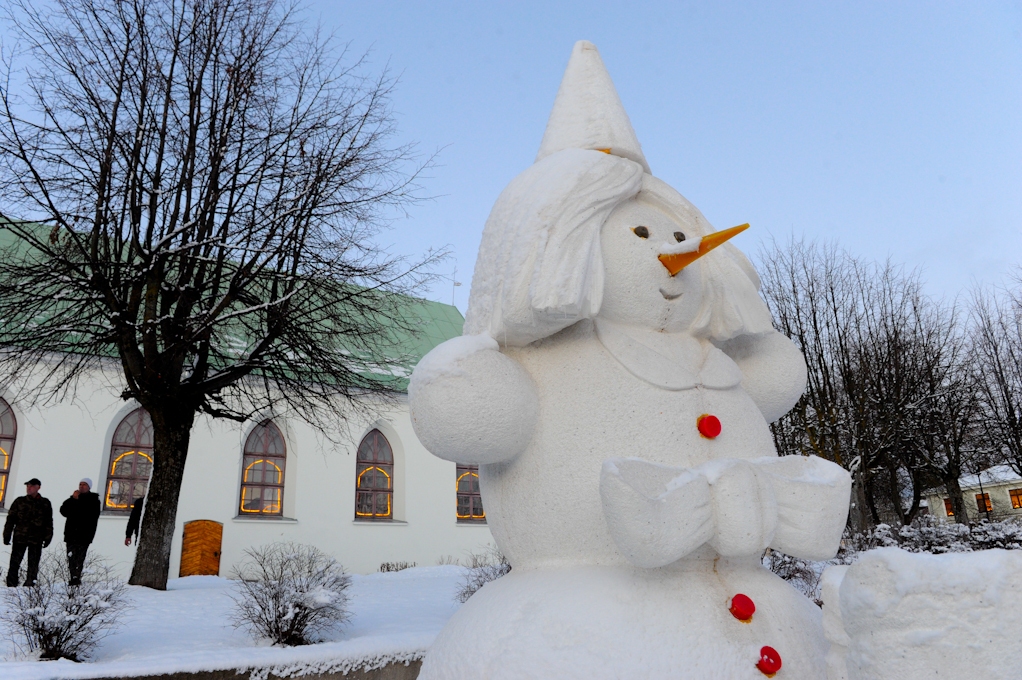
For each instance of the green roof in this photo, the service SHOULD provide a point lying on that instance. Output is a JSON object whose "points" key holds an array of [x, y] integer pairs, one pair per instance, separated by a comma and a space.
{"points": [[434, 322], [437, 324]]}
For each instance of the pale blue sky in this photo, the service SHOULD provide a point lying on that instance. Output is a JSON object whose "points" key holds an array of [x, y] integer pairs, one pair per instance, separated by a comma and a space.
{"points": [[892, 127]]}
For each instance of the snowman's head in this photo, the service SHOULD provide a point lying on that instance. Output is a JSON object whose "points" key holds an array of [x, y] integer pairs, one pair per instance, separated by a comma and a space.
{"points": [[579, 234], [565, 241]]}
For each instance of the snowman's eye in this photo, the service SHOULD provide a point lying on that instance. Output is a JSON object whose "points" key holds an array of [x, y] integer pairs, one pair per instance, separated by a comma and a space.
{"points": [[679, 237], [641, 232]]}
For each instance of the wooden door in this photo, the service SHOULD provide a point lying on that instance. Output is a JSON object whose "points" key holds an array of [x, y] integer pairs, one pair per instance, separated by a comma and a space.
{"points": [[200, 548]]}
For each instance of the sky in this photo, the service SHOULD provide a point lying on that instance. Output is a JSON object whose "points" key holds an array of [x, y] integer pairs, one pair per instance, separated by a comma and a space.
{"points": [[891, 128], [894, 129]]}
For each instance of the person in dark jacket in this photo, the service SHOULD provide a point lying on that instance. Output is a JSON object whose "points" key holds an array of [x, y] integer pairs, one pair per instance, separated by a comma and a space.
{"points": [[30, 524], [134, 520], [82, 512]]}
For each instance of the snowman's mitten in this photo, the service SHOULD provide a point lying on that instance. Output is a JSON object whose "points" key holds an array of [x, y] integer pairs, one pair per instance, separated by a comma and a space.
{"points": [[744, 508], [471, 404], [656, 514], [812, 504]]}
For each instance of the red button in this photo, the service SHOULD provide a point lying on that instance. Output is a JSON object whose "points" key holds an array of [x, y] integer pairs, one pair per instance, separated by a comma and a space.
{"points": [[769, 661], [709, 426], [742, 607]]}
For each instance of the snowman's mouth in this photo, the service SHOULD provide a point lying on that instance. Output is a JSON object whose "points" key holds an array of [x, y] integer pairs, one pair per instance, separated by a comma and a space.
{"points": [[671, 296]]}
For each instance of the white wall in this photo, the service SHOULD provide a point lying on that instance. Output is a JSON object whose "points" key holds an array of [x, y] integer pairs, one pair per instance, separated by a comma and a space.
{"points": [[1000, 502], [63, 442]]}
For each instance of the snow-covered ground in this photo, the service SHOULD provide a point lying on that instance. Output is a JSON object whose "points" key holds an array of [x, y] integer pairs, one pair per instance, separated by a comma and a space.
{"points": [[395, 617]]}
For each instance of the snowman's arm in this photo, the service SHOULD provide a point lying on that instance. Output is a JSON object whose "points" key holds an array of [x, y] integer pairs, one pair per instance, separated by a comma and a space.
{"points": [[471, 404], [773, 370], [812, 504]]}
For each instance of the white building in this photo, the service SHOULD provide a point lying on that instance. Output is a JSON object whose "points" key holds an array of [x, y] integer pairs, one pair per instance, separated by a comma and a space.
{"points": [[994, 494], [381, 497]]}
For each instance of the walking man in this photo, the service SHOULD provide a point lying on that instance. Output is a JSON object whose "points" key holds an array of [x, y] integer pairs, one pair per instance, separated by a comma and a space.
{"points": [[30, 524], [82, 512]]}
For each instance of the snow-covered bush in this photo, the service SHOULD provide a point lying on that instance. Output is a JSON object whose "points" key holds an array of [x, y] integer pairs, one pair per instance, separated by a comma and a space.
{"points": [[387, 567], [290, 593], [57, 621], [483, 567], [930, 535]]}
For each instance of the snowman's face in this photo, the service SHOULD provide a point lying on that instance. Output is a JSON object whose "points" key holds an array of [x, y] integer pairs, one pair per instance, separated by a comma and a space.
{"points": [[638, 290]]}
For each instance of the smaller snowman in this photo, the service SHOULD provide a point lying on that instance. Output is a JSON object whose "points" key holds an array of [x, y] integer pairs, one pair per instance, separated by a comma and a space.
{"points": [[614, 384]]}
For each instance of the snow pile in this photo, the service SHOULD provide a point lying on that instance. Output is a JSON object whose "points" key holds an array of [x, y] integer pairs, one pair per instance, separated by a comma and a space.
{"points": [[925, 535], [395, 617], [895, 614]]}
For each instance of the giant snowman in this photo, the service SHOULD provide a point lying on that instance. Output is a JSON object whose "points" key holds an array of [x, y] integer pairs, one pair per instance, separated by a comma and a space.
{"points": [[614, 383]]}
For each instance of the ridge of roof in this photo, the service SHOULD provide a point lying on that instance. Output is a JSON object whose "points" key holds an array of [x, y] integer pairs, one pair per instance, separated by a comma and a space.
{"points": [[437, 323]]}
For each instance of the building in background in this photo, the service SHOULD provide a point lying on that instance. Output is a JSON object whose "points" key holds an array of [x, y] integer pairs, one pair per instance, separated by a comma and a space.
{"points": [[366, 493], [994, 494]]}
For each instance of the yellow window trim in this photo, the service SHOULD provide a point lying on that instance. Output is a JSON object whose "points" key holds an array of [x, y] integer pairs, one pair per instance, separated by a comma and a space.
{"points": [[113, 466], [358, 485], [457, 484]]}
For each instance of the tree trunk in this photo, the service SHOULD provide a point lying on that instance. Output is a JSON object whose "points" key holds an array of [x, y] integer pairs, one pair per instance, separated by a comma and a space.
{"points": [[859, 515], [171, 434], [954, 492]]}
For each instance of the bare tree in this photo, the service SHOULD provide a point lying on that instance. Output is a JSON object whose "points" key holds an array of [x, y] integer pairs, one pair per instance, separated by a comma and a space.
{"points": [[885, 364], [951, 440], [204, 179], [998, 328]]}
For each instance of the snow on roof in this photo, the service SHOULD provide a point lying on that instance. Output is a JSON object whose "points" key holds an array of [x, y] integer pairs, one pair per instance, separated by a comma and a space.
{"points": [[998, 474]]}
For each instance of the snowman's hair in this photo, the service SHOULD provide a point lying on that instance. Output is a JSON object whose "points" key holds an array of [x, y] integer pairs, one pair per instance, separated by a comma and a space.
{"points": [[540, 265]]}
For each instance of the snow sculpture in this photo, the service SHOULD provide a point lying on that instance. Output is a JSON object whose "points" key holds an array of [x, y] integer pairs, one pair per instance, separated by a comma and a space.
{"points": [[614, 383], [895, 614]]}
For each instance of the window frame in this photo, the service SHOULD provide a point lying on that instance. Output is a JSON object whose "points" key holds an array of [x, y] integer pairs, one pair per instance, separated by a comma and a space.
{"points": [[136, 446], [949, 508], [473, 497], [257, 436], [984, 497], [8, 440], [1016, 498], [381, 465]]}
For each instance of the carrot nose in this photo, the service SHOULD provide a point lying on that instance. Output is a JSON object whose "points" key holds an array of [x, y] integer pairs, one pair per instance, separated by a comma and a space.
{"points": [[675, 262]]}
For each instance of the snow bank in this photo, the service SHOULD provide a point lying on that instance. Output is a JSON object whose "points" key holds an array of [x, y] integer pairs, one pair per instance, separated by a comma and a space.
{"points": [[896, 614], [395, 618]]}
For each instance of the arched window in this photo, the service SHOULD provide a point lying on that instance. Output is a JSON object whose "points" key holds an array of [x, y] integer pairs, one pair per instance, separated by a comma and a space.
{"points": [[262, 472], [374, 478], [8, 433], [470, 501], [131, 461]]}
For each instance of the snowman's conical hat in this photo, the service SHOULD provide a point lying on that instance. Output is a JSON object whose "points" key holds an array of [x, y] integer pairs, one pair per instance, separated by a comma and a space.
{"points": [[588, 113]]}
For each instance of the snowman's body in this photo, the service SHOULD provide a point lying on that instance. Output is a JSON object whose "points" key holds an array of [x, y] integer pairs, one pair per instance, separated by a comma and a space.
{"points": [[573, 606], [588, 362], [592, 408], [623, 622]]}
